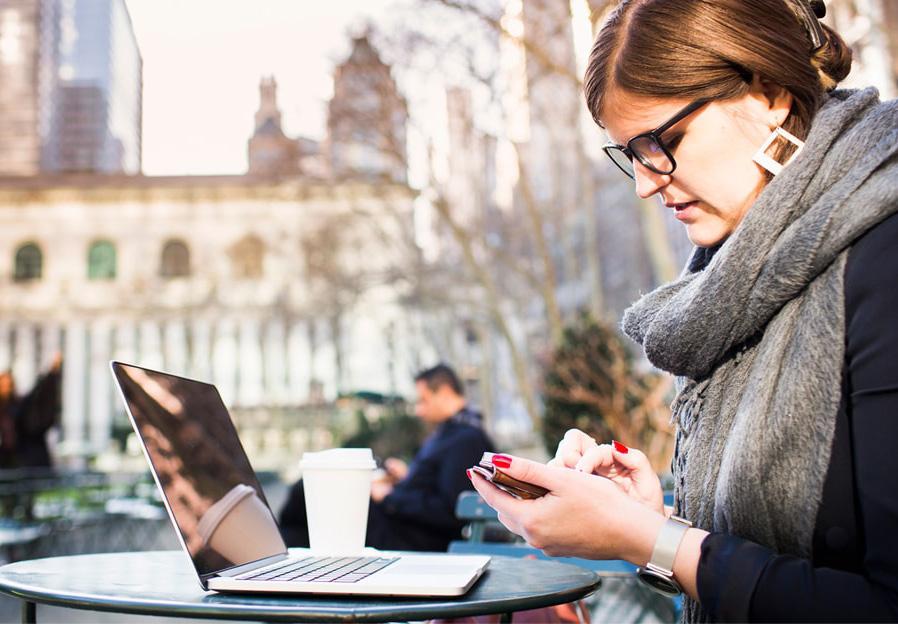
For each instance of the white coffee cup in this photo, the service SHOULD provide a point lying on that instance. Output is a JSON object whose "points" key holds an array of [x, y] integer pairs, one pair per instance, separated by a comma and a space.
{"points": [[239, 526], [337, 485]]}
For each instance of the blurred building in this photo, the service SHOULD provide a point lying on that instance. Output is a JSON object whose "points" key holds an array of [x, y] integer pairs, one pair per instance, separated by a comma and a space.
{"points": [[71, 98], [366, 119], [270, 151], [218, 278], [276, 285], [366, 126], [23, 85]]}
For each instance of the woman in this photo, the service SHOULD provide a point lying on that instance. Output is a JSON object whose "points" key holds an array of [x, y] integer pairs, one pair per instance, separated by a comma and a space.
{"points": [[782, 330]]}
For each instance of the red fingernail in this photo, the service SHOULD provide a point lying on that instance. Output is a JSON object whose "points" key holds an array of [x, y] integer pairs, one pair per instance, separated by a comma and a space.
{"points": [[502, 461], [620, 448], [468, 472]]}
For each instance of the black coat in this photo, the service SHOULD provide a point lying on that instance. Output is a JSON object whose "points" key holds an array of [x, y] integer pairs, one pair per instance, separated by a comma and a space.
{"points": [[37, 413], [853, 572]]}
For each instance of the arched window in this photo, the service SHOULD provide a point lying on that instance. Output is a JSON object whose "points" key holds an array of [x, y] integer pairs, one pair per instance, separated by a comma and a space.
{"points": [[175, 259], [247, 257], [101, 261], [29, 263]]}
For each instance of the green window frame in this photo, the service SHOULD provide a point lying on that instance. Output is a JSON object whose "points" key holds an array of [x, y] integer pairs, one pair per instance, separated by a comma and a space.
{"points": [[101, 261]]}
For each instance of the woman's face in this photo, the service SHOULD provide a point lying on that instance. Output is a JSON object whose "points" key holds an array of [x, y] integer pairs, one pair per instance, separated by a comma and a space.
{"points": [[715, 180]]}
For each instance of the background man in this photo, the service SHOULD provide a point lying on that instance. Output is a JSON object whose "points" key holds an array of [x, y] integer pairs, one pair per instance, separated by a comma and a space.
{"points": [[412, 507]]}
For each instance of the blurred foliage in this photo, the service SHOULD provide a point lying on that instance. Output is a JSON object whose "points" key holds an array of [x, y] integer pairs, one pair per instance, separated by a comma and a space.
{"points": [[393, 433], [590, 383]]}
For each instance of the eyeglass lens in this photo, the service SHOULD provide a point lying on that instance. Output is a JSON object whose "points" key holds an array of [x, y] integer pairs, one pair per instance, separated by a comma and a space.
{"points": [[620, 158], [650, 154]]}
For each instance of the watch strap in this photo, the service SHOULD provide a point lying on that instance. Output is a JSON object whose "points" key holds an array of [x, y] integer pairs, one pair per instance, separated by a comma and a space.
{"points": [[668, 543]]}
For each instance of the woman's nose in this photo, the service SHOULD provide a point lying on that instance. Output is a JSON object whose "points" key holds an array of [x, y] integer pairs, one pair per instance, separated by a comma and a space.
{"points": [[647, 181]]}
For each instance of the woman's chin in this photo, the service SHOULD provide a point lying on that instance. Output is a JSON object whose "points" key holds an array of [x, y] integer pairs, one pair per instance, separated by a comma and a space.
{"points": [[701, 235]]}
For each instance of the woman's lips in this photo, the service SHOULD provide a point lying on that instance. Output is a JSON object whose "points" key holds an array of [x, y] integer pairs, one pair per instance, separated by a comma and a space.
{"points": [[684, 210]]}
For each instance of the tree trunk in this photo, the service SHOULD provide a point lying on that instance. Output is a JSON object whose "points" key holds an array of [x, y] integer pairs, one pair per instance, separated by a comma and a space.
{"points": [[485, 280]]}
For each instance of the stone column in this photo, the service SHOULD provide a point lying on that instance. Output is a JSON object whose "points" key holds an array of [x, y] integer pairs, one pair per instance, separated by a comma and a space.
{"points": [[24, 364], [150, 345], [324, 364], [201, 355], [51, 344], [126, 342], [74, 384], [250, 380], [5, 346], [175, 347], [224, 360], [298, 373], [275, 360], [100, 396]]}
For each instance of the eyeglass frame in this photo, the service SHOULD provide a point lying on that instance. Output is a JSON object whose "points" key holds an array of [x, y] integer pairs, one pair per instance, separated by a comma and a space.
{"points": [[654, 135]]}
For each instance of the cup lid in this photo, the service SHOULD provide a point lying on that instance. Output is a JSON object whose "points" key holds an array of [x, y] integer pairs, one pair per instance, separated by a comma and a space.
{"points": [[339, 459]]}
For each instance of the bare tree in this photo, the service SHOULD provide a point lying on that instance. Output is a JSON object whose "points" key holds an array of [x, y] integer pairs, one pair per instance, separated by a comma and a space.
{"points": [[501, 266]]}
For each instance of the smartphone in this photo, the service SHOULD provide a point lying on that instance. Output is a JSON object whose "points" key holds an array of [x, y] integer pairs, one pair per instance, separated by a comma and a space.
{"points": [[505, 482]]}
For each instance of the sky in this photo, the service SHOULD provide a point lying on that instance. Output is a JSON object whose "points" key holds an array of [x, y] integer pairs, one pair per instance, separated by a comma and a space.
{"points": [[202, 61]]}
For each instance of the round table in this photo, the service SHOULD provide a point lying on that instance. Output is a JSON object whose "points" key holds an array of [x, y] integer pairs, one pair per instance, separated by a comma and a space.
{"points": [[165, 584]]}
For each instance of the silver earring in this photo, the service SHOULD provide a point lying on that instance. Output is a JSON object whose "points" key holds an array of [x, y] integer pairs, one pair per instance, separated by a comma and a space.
{"points": [[766, 161]]}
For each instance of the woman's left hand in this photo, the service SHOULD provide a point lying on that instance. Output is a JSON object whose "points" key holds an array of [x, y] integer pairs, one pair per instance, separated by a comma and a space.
{"points": [[583, 515]]}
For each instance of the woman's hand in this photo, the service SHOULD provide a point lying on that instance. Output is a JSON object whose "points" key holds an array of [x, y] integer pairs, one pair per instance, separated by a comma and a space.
{"points": [[572, 448], [583, 515], [628, 468]]}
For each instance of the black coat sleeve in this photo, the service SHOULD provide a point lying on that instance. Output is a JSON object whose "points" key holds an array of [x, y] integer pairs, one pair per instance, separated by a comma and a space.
{"points": [[742, 581]]}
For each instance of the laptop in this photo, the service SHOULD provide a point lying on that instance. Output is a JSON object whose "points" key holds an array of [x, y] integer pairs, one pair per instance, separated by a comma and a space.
{"points": [[221, 516]]}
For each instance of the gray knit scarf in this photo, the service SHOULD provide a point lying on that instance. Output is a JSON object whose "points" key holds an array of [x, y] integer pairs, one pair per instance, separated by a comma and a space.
{"points": [[757, 337]]}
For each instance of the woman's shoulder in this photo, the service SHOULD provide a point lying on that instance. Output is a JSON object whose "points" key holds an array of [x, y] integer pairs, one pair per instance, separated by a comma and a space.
{"points": [[871, 278], [875, 253]]}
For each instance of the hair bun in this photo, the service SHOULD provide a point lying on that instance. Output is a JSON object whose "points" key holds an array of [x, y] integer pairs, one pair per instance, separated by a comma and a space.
{"points": [[833, 60]]}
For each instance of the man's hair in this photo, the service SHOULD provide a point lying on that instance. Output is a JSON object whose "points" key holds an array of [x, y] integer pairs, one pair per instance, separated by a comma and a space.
{"points": [[441, 375]]}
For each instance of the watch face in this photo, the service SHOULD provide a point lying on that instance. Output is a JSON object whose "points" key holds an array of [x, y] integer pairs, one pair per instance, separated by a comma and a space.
{"points": [[659, 582]]}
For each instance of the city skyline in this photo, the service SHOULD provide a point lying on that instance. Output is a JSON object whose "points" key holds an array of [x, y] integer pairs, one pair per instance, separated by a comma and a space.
{"points": [[201, 89]]}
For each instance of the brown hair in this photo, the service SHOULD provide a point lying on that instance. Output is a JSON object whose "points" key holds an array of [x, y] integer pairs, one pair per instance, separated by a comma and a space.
{"points": [[441, 375], [691, 49]]}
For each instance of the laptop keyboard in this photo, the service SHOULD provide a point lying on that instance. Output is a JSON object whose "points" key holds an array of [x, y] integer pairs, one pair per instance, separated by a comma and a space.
{"points": [[324, 569]]}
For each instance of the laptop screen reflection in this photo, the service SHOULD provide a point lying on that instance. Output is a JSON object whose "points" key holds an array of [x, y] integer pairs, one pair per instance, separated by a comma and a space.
{"points": [[210, 489]]}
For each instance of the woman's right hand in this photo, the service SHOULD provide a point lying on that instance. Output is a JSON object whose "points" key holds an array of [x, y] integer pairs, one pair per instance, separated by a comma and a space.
{"points": [[628, 468], [572, 448]]}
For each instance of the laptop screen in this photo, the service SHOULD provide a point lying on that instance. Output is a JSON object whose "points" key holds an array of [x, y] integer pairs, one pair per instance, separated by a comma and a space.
{"points": [[210, 489]]}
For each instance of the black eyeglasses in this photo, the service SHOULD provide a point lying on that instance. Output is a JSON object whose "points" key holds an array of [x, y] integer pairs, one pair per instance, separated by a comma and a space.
{"points": [[648, 148]]}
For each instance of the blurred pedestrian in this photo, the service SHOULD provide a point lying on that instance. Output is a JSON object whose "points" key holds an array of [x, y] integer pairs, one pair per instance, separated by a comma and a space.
{"points": [[36, 414], [8, 407]]}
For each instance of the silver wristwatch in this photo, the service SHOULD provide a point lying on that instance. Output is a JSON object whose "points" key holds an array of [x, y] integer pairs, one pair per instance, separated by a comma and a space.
{"points": [[658, 572]]}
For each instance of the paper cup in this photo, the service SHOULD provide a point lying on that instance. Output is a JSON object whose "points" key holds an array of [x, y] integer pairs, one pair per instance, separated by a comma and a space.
{"points": [[337, 485], [239, 527]]}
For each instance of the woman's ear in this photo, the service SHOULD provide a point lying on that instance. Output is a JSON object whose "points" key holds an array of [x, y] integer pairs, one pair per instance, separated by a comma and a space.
{"points": [[775, 99]]}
